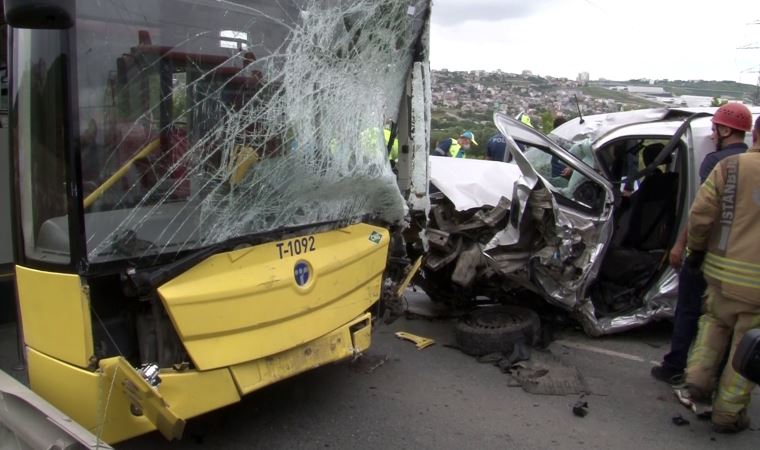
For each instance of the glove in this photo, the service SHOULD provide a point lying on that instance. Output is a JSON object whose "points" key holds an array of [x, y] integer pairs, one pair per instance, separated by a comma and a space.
{"points": [[694, 260]]}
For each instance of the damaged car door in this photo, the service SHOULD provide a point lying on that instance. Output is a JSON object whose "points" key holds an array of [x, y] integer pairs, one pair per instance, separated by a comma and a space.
{"points": [[559, 221]]}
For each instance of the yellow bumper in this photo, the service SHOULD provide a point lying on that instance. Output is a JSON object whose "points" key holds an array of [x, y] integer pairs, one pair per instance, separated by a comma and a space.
{"points": [[98, 400]]}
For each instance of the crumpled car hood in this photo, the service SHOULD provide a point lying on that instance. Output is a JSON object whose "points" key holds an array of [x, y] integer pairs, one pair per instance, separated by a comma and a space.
{"points": [[539, 246], [473, 183]]}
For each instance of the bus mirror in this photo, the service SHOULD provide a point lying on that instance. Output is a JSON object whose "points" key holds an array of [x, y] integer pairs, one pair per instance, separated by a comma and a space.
{"points": [[40, 14]]}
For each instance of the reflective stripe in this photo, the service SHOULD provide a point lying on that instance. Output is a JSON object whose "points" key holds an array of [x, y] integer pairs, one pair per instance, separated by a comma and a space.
{"points": [[719, 273], [455, 149], [733, 271], [734, 393], [710, 186], [743, 266], [728, 201]]}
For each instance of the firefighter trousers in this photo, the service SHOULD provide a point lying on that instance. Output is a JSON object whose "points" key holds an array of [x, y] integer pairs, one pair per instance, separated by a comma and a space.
{"points": [[723, 316]]}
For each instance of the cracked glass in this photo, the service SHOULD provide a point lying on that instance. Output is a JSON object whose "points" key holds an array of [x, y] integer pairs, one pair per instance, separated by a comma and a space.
{"points": [[204, 121]]}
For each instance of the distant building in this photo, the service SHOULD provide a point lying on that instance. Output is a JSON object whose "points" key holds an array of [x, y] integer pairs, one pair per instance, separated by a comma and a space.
{"points": [[696, 101], [527, 73], [583, 78], [648, 90]]}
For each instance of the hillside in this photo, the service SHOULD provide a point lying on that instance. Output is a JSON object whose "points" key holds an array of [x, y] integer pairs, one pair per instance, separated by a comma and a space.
{"points": [[723, 89], [468, 100]]}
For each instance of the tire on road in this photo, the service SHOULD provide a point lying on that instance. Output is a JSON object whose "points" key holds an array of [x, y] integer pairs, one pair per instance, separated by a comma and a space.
{"points": [[496, 329]]}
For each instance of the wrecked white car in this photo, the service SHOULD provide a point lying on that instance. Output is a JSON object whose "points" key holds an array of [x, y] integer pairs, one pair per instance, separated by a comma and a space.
{"points": [[584, 217]]}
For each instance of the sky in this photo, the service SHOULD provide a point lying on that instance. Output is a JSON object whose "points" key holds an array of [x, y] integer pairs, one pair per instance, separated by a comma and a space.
{"points": [[612, 39]]}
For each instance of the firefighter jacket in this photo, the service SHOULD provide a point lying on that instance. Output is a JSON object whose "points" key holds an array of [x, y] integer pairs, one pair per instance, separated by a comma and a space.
{"points": [[724, 222]]}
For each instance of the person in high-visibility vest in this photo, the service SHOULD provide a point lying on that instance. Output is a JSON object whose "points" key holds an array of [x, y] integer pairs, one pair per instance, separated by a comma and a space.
{"points": [[393, 154], [524, 118], [455, 148], [723, 241]]}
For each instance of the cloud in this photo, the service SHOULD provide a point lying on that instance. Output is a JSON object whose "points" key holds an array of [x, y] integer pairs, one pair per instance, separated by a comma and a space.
{"points": [[453, 12], [616, 39]]}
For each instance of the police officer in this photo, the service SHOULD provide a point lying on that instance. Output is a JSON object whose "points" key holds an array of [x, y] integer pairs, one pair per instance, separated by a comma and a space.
{"points": [[496, 149], [723, 240]]}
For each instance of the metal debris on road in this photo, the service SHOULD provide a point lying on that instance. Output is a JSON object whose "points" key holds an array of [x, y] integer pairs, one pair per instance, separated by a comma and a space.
{"points": [[580, 408], [680, 421], [368, 363], [491, 358], [422, 342]]}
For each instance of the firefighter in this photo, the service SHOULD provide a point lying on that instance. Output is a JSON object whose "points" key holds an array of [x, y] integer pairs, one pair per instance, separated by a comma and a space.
{"points": [[723, 240], [456, 148], [730, 123]]}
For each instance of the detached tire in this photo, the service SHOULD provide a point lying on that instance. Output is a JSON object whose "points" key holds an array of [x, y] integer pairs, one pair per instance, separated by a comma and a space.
{"points": [[496, 329]]}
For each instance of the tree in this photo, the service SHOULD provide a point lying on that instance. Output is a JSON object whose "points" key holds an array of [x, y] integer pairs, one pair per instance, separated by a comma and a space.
{"points": [[547, 121]]}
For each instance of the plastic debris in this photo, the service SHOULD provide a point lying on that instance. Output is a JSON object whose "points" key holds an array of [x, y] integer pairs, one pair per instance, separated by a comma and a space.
{"points": [[702, 410], [422, 342]]}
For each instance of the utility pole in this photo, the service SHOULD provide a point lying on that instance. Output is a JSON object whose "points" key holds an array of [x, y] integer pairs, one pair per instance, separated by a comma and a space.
{"points": [[753, 46], [756, 99]]}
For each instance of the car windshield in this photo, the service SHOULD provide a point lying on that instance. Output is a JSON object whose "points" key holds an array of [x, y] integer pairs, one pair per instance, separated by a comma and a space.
{"points": [[201, 121], [559, 140]]}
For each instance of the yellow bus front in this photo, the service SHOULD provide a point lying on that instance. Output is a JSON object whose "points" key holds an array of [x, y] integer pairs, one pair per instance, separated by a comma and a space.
{"points": [[198, 210]]}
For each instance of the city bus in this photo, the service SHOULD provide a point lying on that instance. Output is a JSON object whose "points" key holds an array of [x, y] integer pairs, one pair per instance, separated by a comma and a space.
{"points": [[201, 196]]}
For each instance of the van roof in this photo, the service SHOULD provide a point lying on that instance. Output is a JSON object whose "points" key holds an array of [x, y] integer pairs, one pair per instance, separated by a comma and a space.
{"points": [[598, 125]]}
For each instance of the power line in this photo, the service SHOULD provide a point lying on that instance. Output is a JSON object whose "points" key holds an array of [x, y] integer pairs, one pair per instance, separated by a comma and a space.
{"points": [[600, 8]]}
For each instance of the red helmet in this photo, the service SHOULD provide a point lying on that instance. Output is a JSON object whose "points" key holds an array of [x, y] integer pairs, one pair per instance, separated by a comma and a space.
{"points": [[734, 115]]}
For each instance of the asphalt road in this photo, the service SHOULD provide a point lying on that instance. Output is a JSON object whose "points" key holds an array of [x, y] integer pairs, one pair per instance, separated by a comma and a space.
{"points": [[440, 398]]}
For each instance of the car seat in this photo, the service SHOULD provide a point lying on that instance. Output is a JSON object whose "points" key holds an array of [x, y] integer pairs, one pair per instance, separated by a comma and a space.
{"points": [[648, 221]]}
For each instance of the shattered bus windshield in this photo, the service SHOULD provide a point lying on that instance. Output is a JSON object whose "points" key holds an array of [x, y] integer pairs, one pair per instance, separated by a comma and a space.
{"points": [[201, 121]]}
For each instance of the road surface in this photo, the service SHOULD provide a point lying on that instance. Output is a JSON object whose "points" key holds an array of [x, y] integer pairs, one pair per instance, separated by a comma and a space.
{"points": [[440, 398]]}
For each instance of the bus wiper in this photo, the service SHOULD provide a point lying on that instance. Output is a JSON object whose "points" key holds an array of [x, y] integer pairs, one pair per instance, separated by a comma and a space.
{"points": [[128, 244]]}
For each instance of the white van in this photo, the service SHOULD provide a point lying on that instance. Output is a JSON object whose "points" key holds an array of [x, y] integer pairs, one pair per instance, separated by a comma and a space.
{"points": [[584, 217]]}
